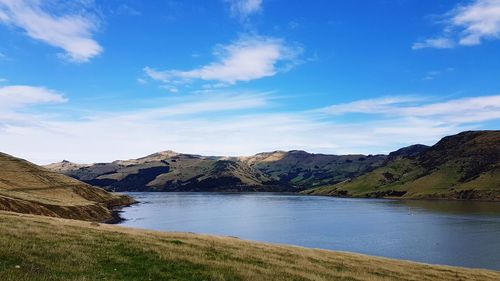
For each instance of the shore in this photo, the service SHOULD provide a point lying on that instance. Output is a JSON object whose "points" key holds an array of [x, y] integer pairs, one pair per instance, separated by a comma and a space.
{"points": [[43, 248]]}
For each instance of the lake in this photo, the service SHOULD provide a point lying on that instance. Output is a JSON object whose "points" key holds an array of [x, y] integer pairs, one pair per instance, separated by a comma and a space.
{"points": [[439, 232]]}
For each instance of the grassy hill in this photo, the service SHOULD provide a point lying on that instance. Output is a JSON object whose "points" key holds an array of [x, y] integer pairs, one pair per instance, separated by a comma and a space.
{"points": [[272, 171], [463, 166], [43, 248], [300, 168], [28, 188]]}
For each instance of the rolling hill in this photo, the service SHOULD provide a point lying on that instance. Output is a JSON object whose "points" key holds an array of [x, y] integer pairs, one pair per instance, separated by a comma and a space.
{"points": [[462, 166], [28, 188], [272, 171]]}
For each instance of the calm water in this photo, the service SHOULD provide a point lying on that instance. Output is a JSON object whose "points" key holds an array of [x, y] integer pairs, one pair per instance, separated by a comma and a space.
{"points": [[453, 233]]}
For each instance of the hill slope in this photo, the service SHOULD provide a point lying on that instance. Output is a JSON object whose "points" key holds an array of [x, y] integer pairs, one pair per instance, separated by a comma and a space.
{"points": [[463, 166], [42, 248], [28, 188], [171, 171]]}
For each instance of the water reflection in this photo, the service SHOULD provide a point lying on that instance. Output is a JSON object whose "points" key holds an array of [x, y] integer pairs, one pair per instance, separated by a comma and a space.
{"points": [[443, 232]]}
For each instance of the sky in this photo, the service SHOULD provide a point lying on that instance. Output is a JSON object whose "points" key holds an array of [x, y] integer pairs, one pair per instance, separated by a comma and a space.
{"points": [[95, 81]]}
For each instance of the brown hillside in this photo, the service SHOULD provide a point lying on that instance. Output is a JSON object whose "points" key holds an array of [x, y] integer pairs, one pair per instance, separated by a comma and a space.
{"points": [[28, 188]]}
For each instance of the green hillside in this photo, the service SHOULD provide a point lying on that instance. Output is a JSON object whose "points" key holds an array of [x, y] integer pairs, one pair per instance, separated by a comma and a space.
{"points": [[463, 166]]}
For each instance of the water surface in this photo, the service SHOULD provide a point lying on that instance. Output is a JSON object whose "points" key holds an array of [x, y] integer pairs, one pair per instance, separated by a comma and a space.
{"points": [[440, 232]]}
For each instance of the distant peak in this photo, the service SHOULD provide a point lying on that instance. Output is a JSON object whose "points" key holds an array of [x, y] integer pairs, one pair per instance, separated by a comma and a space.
{"points": [[298, 152], [270, 153], [165, 153], [168, 152], [408, 151]]}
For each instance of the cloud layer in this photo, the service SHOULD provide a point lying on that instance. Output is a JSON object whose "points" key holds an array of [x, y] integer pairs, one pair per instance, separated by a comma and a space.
{"points": [[451, 112], [70, 32], [467, 25], [228, 123]]}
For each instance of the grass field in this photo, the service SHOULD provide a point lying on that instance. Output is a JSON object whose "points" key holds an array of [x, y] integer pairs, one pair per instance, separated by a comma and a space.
{"points": [[43, 248]]}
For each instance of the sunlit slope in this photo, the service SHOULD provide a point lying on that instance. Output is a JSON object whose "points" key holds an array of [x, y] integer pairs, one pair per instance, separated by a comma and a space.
{"points": [[463, 166], [28, 188], [271, 171], [42, 248]]}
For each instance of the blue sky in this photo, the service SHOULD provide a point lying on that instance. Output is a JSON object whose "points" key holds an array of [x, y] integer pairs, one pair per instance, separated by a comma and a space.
{"points": [[93, 81]]}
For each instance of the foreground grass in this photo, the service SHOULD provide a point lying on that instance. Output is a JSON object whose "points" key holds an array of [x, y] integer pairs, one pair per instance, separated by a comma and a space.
{"points": [[42, 248]]}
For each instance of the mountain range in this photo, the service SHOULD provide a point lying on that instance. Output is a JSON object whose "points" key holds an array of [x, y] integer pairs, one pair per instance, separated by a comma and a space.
{"points": [[463, 166], [270, 171]]}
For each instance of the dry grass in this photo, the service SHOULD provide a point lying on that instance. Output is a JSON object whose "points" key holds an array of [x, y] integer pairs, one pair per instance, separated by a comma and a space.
{"points": [[28, 188], [57, 249]]}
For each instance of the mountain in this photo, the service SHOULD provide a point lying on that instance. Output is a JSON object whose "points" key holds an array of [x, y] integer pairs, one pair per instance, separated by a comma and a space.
{"points": [[409, 151], [28, 188], [463, 166], [64, 166], [270, 171], [307, 170]]}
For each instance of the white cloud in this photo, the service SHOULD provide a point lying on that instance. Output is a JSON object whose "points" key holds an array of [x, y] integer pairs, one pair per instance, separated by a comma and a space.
{"points": [[457, 111], [431, 75], [16, 100], [438, 43], [70, 32], [247, 59], [467, 25], [212, 102], [3, 80], [12, 97], [372, 106], [244, 8], [141, 81], [170, 89], [479, 20], [239, 124]]}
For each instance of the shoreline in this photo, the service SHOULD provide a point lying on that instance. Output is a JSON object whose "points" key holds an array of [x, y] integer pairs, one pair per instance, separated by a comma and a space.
{"points": [[322, 195], [121, 252], [160, 222]]}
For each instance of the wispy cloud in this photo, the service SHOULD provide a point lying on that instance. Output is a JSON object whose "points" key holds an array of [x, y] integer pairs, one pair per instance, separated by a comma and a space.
{"points": [[70, 32], [244, 8], [431, 75], [127, 10], [235, 123], [457, 111], [12, 97], [370, 106], [247, 59], [437, 43], [214, 102], [467, 25], [15, 101]]}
